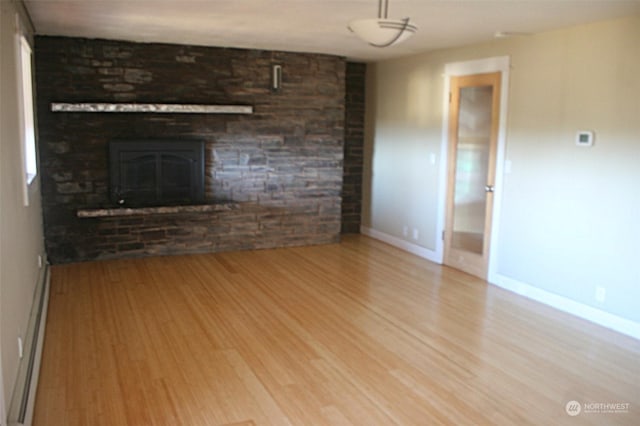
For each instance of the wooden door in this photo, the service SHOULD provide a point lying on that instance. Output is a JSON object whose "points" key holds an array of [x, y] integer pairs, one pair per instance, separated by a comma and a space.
{"points": [[474, 111]]}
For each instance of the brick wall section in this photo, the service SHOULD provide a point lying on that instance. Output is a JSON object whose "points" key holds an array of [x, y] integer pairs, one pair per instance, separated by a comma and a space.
{"points": [[281, 166], [353, 147]]}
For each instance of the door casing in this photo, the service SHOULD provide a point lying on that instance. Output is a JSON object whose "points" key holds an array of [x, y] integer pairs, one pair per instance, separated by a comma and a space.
{"points": [[468, 261], [495, 64]]}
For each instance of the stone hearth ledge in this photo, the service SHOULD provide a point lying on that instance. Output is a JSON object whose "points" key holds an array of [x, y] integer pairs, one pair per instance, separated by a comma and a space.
{"points": [[155, 108], [146, 211]]}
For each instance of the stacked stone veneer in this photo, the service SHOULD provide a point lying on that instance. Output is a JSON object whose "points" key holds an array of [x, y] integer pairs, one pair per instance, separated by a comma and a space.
{"points": [[353, 148], [277, 173]]}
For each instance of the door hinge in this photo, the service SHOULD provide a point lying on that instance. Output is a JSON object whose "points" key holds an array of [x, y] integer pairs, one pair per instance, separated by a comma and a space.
{"points": [[443, 235], [450, 97]]}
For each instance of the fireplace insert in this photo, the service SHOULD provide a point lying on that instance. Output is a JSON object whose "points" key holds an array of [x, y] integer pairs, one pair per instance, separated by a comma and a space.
{"points": [[156, 172]]}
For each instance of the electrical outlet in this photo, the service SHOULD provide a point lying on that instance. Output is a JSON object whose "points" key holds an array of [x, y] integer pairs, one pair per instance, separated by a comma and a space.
{"points": [[601, 294], [416, 234], [405, 230]]}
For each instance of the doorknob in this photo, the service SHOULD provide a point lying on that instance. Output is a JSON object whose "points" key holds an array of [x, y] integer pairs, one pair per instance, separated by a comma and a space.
{"points": [[488, 188]]}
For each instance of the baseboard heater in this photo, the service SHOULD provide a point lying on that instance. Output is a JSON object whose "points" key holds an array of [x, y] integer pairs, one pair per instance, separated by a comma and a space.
{"points": [[23, 398]]}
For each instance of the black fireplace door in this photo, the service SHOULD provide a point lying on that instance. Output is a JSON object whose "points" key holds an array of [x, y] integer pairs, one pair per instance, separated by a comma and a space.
{"points": [[153, 173]]}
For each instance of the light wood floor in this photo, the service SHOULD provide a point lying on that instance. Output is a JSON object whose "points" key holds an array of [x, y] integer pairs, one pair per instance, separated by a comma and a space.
{"points": [[354, 333]]}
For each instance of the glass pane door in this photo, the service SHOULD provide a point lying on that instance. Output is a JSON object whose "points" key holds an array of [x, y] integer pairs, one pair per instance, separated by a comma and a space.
{"points": [[472, 168]]}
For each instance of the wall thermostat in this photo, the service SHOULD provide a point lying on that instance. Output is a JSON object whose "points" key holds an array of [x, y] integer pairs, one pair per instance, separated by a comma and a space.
{"points": [[584, 138]]}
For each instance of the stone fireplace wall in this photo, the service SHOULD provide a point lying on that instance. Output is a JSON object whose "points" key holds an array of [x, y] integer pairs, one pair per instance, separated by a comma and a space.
{"points": [[276, 174], [353, 147]]}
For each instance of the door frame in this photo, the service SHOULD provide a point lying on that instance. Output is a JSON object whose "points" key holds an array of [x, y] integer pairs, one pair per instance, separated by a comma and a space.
{"points": [[500, 64]]}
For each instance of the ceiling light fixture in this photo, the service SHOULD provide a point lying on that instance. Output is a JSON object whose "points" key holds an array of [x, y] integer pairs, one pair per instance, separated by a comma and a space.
{"points": [[383, 32], [509, 34]]}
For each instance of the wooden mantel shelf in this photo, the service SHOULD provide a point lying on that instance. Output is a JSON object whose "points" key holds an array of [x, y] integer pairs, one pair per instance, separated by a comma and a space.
{"points": [[146, 211], [151, 108]]}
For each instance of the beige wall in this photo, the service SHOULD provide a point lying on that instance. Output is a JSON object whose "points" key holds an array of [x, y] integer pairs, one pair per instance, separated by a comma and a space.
{"points": [[21, 238], [570, 216]]}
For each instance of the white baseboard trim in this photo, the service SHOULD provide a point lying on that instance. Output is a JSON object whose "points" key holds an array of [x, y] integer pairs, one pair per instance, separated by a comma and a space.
{"points": [[38, 355], [589, 313], [597, 316], [422, 252], [32, 384]]}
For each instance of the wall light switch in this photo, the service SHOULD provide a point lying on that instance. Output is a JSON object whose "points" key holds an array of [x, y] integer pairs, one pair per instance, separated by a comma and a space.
{"points": [[584, 138], [507, 167]]}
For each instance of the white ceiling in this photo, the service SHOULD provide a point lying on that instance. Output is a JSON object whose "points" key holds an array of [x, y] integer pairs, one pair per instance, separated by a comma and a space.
{"points": [[312, 25]]}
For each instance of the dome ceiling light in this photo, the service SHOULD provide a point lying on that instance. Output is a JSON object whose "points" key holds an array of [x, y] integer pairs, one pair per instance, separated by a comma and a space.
{"points": [[383, 32]]}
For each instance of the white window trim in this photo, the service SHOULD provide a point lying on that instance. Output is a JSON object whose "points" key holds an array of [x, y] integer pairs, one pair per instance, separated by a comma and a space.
{"points": [[26, 111]]}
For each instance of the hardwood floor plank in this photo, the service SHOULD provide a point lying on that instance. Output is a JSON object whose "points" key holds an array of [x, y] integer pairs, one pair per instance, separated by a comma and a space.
{"points": [[344, 334]]}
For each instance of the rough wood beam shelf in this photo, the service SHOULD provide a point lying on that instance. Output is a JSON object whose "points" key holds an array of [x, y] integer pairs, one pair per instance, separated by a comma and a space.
{"points": [[152, 108]]}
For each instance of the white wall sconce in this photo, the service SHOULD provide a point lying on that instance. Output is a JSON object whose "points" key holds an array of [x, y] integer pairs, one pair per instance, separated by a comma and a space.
{"points": [[276, 77]]}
